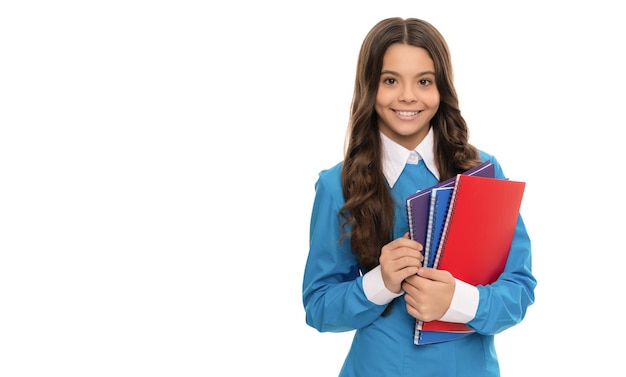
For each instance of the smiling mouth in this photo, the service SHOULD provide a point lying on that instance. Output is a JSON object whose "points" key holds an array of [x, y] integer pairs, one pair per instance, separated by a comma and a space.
{"points": [[407, 113]]}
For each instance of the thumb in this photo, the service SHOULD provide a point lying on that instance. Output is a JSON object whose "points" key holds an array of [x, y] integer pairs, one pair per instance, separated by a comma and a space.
{"points": [[427, 272], [406, 235]]}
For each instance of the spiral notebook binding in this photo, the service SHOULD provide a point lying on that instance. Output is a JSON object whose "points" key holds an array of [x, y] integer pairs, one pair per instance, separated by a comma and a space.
{"points": [[417, 334], [429, 238], [444, 234], [409, 214]]}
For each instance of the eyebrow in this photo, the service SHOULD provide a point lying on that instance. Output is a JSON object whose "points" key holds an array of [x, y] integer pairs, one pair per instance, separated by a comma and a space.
{"points": [[420, 74]]}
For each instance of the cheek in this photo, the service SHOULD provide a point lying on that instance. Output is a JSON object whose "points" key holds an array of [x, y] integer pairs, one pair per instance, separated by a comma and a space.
{"points": [[432, 100], [384, 98]]}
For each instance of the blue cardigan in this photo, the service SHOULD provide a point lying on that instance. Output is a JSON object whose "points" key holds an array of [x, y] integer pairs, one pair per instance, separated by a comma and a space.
{"points": [[334, 300]]}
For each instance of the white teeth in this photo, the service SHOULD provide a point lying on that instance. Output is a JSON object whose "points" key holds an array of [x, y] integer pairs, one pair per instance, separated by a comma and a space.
{"points": [[406, 113]]}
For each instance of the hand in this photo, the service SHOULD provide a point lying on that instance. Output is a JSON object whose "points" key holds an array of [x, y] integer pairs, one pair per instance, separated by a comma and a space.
{"points": [[398, 259], [429, 293]]}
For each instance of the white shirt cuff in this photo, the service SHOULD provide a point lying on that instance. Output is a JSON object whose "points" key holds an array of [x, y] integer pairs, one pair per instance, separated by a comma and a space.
{"points": [[464, 303], [374, 288]]}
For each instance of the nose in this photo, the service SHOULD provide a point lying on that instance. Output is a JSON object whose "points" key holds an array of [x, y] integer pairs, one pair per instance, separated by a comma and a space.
{"points": [[407, 95]]}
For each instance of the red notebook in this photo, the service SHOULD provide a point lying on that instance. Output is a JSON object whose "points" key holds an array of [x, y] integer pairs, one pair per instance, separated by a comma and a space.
{"points": [[477, 234]]}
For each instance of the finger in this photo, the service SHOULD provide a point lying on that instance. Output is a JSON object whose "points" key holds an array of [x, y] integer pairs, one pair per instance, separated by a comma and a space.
{"points": [[415, 283], [432, 273], [406, 272], [410, 300], [402, 257], [413, 312], [405, 241], [413, 280], [407, 287]]}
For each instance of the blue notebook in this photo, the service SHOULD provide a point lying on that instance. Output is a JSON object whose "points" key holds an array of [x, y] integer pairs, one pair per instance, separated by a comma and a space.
{"points": [[439, 204], [429, 337], [438, 212]]}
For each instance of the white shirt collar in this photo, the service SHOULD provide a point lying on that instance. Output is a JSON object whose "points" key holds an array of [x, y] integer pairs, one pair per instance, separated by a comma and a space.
{"points": [[396, 156]]}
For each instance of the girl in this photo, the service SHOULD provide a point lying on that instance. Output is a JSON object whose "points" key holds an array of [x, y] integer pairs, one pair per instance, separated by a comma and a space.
{"points": [[363, 272]]}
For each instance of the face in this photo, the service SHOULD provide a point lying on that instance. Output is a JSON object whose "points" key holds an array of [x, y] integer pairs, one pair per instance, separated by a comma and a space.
{"points": [[407, 97]]}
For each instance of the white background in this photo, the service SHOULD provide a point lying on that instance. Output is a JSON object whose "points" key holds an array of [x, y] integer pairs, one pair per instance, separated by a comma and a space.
{"points": [[157, 163]]}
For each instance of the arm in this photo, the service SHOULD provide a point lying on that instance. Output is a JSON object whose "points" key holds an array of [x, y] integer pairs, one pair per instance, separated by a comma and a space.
{"points": [[332, 290], [504, 303]]}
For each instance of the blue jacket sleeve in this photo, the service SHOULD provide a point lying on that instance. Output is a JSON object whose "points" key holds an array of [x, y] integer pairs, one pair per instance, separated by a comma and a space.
{"points": [[504, 303], [333, 295]]}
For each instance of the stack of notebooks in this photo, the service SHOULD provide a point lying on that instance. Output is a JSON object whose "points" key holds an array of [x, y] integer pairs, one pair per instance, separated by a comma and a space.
{"points": [[466, 225]]}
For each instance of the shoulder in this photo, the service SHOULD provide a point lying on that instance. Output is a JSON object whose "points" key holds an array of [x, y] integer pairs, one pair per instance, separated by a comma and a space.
{"points": [[331, 174], [485, 156], [329, 180]]}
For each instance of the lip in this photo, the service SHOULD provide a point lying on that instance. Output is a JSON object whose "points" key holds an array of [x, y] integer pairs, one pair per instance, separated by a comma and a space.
{"points": [[407, 114]]}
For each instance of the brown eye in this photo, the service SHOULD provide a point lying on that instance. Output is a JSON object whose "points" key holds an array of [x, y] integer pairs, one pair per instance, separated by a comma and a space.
{"points": [[425, 82]]}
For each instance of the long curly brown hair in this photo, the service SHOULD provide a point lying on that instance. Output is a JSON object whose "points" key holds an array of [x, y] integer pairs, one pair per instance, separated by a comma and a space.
{"points": [[368, 212]]}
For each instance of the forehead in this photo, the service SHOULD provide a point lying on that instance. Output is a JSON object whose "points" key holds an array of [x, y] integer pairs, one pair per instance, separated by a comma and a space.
{"points": [[400, 57]]}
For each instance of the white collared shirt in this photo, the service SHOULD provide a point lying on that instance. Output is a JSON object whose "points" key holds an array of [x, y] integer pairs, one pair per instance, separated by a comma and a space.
{"points": [[395, 156]]}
